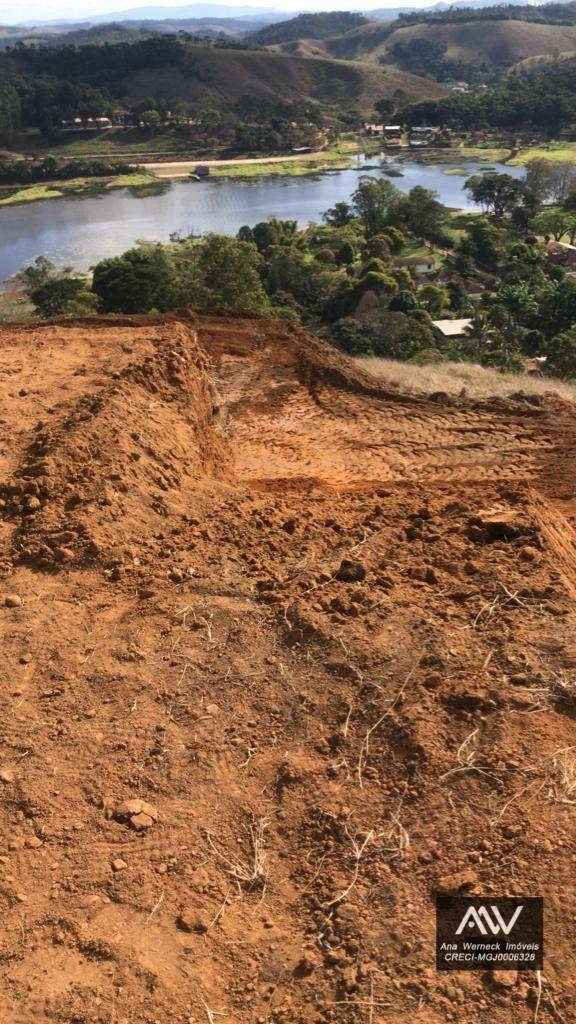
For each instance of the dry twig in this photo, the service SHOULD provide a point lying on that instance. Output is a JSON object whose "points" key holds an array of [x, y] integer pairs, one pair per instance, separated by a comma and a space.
{"points": [[358, 848]]}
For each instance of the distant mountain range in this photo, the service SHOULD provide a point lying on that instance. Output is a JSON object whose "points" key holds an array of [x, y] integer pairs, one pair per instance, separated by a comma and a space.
{"points": [[263, 15], [171, 13]]}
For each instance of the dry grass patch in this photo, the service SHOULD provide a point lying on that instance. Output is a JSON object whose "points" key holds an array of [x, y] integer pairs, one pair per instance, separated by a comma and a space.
{"points": [[464, 378]]}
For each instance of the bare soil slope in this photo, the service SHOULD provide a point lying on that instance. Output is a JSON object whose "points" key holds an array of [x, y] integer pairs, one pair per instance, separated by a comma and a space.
{"points": [[286, 650]]}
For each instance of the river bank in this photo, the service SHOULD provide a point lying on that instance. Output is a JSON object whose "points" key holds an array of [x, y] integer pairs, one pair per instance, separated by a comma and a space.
{"points": [[14, 195], [339, 157]]}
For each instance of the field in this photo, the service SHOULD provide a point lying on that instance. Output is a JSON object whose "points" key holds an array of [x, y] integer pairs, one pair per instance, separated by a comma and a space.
{"points": [[465, 379], [288, 649], [564, 151], [126, 142]]}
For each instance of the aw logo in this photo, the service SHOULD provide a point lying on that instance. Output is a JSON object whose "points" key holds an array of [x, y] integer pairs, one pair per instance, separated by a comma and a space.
{"points": [[488, 922], [478, 934]]}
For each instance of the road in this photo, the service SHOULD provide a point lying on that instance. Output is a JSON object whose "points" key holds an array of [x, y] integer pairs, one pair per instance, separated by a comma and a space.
{"points": [[187, 166]]}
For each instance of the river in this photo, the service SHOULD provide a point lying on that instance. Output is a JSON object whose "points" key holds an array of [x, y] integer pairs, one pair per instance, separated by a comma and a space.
{"points": [[80, 230]]}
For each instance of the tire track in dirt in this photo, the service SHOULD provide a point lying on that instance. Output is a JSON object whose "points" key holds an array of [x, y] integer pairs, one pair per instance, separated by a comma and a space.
{"points": [[281, 431]]}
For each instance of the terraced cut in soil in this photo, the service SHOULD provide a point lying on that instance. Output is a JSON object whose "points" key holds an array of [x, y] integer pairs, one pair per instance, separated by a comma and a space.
{"points": [[286, 651]]}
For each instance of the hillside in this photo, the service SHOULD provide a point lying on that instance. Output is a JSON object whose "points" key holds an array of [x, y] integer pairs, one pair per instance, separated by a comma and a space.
{"points": [[165, 68], [223, 76], [308, 26], [492, 42], [287, 650]]}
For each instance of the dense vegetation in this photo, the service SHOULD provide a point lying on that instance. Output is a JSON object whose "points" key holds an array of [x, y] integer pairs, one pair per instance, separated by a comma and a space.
{"points": [[427, 57], [545, 102], [347, 279], [28, 172]]}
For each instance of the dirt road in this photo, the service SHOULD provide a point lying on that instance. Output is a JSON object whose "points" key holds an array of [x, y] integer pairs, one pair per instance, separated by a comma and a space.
{"points": [[182, 168], [285, 651]]}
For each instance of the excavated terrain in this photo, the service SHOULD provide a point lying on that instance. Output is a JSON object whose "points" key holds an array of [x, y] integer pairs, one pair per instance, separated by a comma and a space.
{"points": [[285, 652]]}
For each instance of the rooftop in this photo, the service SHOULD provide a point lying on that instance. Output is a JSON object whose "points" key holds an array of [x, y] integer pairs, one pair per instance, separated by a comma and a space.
{"points": [[452, 328]]}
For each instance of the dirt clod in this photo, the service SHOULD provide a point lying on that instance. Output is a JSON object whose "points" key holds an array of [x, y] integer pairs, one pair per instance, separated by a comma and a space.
{"points": [[351, 571]]}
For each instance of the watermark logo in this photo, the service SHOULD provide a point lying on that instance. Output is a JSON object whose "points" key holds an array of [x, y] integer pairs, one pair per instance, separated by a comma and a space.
{"points": [[475, 933], [485, 923]]}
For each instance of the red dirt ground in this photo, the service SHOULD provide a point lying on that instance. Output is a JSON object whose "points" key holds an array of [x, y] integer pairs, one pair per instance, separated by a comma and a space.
{"points": [[324, 629]]}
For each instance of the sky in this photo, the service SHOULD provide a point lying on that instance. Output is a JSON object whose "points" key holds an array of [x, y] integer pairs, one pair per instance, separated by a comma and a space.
{"points": [[13, 12]]}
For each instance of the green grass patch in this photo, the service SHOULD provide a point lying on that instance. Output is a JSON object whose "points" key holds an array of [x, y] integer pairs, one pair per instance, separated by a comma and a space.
{"points": [[565, 153], [76, 186], [462, 171], [489, 156], [423, 250], [31, 194], [287, 168], [116, 142], [136, 180]]}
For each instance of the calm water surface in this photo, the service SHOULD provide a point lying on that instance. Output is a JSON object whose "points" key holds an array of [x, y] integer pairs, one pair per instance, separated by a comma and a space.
{"points": [[80, 231]]}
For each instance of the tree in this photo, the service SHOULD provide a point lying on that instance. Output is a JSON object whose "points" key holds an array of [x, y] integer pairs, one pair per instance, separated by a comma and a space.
{"points": [[434, 300], [404, 302], [395, 238], [345, 254], [339, 215], [550, 181], [421, 212], [57, 295], [55, 292], [288, 271], [137, 282], [388, 334], [513, 306], [230, 272], [10, 112], [385, 108], [421, 56], [378, 246], [496, 193], [272, 232], [484, 344], [151, 120], [482, 243], [372, 201], [555, 223], [561, 354], [326, 256], [38, 272], [557, 306]]}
